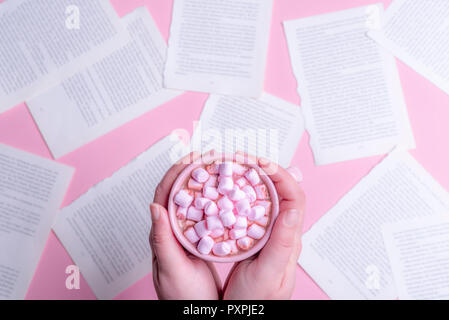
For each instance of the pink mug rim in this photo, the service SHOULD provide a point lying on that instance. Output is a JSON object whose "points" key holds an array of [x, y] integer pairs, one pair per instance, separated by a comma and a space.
{"points": [[180, 180]]}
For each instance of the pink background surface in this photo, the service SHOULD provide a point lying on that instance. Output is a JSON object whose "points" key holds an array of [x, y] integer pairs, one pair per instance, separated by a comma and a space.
{"points": [[428, 109]]}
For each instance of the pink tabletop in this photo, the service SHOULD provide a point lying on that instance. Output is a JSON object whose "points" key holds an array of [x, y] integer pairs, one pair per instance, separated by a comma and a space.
{"points": [[428, 109]]}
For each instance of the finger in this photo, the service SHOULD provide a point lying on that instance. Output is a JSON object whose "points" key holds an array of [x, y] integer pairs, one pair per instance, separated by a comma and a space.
{"points": [[163, 189], [275, 256], [168, 253]]}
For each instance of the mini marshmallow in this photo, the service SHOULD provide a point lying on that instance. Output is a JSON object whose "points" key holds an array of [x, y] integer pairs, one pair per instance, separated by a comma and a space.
{"points": [[221, 249], [194, 185], [217, 233], [211, 209], [200, 175], [245, 243], [236, 194], [225, 185], [243, 207], [225, 203], [250, 193], [241, 182], [201, 229], [181, 213], [183, 198], [200, 202], [225, 169], [191, 235], [238, 169], [241, 222], [194, 214], [237, 233], [261, 192], [256, 231], [262, 221], [256, 213], [253, 177], [210, 193], [233, 245], [205, 245], [265, 204], [212, 181], [212, 168], [227, 218], [213, 222]]}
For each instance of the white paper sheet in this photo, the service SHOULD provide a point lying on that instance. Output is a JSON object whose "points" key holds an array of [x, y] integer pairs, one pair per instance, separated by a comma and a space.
{"points": [[418, 251], [219, 46], [267, 127], [31, 190], [344, 251], [118, 88], [417, 32], [39, 49], [106, 230], [349, 86]]}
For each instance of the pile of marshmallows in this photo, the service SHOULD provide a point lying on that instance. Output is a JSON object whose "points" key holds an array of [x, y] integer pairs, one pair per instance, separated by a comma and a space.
{"points": [[223, 208]]}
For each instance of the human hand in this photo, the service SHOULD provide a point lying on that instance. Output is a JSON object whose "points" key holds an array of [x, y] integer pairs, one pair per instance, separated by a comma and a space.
{"points": [[176, 273], [271, 274]]}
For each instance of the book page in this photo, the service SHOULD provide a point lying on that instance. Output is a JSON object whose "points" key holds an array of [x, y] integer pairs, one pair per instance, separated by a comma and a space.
{"points": [[418, 251], [417, 32], [118, 88], [344, 252], [349, 86], [106, 230], [45, 41], [31, 191], [219, 46], [267, 127]]}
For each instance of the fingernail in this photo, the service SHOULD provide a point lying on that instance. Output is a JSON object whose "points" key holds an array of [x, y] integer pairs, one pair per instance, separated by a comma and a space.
{"points": [[296, 173], [155, 214], [291, 218]]}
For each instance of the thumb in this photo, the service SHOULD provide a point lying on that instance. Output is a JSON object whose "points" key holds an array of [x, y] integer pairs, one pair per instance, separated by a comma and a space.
{"points": [[167, 252]]}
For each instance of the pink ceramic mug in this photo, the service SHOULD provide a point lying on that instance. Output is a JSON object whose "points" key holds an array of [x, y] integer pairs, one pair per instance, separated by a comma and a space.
{"points": [[180, 182]]}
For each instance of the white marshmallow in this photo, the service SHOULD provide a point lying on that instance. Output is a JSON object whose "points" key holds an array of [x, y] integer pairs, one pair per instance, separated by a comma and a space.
{"points": [[236, 194], [239, 169], [237, 233], [233, 245], [227, 218], [241, 182], [265, 204], [213, 222], [261, 192], [245, 243], [262, 221], [225, 185], [226, 169], [217, 233], [253, 177], [221, 249], [183, 198], [250, 193], [194, 185], [255, 231], [201, 229], [241, 222], [200, 202], [205, 245], [210, 193], [211, 182], [191, 235], [181, 213], [194, 214], [243, 207], [225, 203], [256, 213], [200, 175], [211, 209]]}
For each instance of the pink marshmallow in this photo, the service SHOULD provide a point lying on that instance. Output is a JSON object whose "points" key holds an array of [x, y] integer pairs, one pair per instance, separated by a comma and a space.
{"points": [[238, 169], [227, 218], [262, 221], [236, 194], [212, 168], [253, 177], [241, 182], [211, 209], [210, 193], [213, 222], [200, 175], [221, 249], [245, 243], [211, 182], [201, 229], [194, 214], [256, 213], [225, 185], [237, 233], [241, 222], [194, 185], [217, 233], [233, 245], [183, 198], [265, 204], [226, 169], [261, 192], [205, 245], [200, 202], [191, 235], [243, 207], [255, 231], [181, 213], [250, 193], [225, 203]]}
